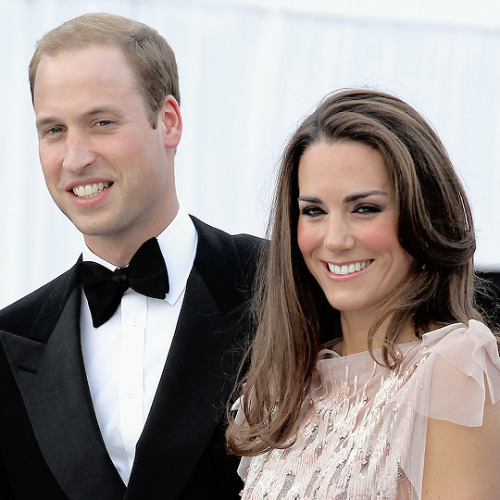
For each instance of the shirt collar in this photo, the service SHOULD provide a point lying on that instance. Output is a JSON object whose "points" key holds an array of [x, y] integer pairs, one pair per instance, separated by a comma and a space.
{"points": [[178, 243]]}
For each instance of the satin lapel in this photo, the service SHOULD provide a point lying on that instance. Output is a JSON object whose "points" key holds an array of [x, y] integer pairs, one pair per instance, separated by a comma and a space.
{"points": [[197, 379], [53, 384]]}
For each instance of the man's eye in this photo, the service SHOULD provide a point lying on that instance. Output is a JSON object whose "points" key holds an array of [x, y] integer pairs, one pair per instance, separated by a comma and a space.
{"points": [[103, 123], [55, 130]]}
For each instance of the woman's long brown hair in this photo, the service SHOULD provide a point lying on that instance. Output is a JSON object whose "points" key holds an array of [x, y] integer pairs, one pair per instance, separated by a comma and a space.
{"points": [[294, 318]]}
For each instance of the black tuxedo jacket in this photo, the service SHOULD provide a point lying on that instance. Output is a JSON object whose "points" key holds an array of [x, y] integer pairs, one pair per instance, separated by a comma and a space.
{"points": [[50, 443]]}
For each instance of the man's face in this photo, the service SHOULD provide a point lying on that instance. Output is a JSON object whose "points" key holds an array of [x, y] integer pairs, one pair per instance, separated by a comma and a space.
{"points": [[104, 164]]}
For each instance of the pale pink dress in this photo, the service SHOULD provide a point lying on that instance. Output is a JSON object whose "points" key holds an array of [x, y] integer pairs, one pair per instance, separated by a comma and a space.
{"points": [[363, 427]]}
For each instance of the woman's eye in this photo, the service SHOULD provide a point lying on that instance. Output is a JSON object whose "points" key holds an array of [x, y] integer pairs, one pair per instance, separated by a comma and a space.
{"points": [[367, 209], [312, 211]]}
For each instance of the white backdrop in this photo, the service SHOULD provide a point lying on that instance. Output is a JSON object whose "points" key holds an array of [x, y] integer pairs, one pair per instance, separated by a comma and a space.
{"points": [[250, 70]]}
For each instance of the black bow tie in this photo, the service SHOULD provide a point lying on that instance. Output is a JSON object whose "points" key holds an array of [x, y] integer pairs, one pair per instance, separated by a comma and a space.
{"points": [[146, 274]]}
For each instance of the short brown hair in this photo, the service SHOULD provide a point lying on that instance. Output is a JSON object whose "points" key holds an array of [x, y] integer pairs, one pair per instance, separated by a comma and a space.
{"points": [[148, 54]]}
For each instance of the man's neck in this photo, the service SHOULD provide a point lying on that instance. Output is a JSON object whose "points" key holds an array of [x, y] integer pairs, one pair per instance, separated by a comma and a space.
{"points": [[117, 250]]}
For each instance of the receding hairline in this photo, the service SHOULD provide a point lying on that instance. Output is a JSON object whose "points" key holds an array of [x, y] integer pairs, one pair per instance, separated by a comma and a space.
{"points": [[80, 47], [75, 50]]}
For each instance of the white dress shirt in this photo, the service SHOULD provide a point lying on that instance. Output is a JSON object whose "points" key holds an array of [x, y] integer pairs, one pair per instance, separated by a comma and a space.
{"points": [[124, 358]]}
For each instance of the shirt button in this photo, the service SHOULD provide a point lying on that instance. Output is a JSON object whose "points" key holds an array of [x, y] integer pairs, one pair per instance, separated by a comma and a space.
{"points": [[134, 322], [131, 394]]}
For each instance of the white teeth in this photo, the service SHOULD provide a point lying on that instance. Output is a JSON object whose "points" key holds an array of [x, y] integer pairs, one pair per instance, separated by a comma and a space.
{"points": [[90, 190], [348, 268]]}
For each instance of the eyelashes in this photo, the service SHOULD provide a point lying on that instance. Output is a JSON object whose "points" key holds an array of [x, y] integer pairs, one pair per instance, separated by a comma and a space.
{"points": [[368, 209], [312, 211], [315, 211]]}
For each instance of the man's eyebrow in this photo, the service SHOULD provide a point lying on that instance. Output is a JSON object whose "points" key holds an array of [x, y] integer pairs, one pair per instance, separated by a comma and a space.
{"points": [[103, 109], [45, 121], [87, 114]]}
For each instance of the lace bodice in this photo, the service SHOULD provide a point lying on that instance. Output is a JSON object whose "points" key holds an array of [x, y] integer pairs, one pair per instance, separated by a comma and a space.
{"points": [[362, 429]]}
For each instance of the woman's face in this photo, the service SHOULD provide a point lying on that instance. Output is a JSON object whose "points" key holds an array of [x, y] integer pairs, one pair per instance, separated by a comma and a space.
{"points": [[347, 228]]}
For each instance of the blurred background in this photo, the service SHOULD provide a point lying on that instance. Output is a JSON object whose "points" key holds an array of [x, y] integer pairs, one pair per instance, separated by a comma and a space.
{"points": [[250, 71]]}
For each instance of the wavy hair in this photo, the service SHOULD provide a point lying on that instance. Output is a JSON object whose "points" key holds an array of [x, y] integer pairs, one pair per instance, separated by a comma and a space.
{"points": [[294, 318]]}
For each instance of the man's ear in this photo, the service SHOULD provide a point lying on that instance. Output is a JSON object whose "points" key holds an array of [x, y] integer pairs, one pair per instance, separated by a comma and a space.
{"points": [[171, 120]]}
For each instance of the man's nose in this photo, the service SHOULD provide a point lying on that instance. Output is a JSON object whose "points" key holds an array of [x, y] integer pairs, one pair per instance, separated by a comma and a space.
{"points": [[77, 153]]}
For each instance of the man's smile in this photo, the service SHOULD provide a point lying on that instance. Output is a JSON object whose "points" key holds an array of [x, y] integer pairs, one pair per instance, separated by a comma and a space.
{"points": [[90, 190]]}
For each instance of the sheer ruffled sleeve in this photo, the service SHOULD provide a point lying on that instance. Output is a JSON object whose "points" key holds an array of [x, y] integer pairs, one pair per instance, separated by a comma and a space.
{"points": [[462, 367], [457, 374]]}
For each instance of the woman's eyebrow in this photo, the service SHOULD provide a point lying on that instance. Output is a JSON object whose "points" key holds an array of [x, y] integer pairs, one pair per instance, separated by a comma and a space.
{"points": [[358, 196], [309, 199]]}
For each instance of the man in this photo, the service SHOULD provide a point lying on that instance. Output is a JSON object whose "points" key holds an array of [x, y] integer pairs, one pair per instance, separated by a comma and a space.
{"points": [[125, 401]]}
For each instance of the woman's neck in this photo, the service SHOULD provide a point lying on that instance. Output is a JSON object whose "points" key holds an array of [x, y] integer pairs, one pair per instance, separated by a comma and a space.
{"points": [[355, 330]]}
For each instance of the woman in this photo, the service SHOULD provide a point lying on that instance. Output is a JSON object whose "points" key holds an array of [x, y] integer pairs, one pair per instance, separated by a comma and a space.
{"points": [[371, 375]]}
